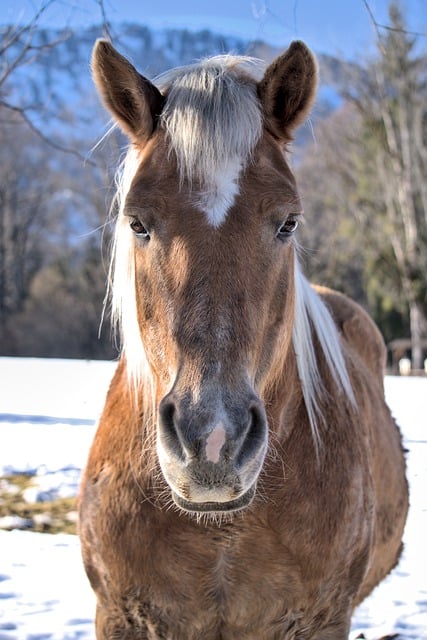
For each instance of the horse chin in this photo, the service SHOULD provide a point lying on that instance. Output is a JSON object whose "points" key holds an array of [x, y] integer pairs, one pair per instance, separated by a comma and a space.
{"points": [[214, 508]]}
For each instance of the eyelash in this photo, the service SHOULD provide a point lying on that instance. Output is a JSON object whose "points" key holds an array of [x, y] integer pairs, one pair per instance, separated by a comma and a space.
{"points": [[139, 229], [288, 227]]}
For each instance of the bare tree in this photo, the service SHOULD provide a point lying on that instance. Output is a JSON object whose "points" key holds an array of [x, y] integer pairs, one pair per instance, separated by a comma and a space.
{"points": [[22, 46], [24, 190]]}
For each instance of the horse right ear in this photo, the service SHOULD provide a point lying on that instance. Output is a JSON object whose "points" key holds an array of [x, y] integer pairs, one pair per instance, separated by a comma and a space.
{"points": [[133, 100]]}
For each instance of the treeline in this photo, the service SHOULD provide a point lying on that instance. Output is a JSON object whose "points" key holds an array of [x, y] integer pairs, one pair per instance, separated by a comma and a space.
{"points": [[53, 246], [362, 179], [364, 183]]}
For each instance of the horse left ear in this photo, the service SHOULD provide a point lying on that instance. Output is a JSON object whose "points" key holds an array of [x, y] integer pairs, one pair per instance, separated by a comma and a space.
{"points": [[132, 99], [288, 89]]}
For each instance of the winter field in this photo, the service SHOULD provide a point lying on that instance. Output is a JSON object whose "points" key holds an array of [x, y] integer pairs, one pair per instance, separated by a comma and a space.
{"points": [[48, 411]]}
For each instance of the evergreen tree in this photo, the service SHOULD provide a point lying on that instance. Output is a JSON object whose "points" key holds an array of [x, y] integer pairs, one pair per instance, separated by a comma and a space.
{"points": [[392, 104]]}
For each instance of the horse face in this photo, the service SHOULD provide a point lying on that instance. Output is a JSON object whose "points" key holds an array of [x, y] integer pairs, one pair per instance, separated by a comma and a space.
{"points": [[211, 258], [212, 304]]}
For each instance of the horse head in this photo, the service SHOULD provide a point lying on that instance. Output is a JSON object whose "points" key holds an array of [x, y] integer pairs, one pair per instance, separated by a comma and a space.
{"points": [[204, 265]]}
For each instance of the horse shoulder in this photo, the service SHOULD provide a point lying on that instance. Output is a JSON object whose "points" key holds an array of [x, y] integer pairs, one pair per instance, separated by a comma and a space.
{"points": [[111, 440], [387, 462], [357, 329]]}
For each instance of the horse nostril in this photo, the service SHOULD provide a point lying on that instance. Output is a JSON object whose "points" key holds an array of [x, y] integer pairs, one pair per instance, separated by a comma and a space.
{"points": [[168, 428], [167, 412], [255, 436]]}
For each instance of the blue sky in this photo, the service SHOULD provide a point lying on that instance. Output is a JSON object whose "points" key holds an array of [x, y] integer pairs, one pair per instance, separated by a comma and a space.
{"points": [[340, 27]]}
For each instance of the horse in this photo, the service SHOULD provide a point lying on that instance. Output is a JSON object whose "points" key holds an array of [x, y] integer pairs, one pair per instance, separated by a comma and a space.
{"points": [[246, 480]]}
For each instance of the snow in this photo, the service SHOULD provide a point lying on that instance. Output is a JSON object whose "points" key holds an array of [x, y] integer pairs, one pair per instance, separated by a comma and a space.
{"points": [[48, 413]]}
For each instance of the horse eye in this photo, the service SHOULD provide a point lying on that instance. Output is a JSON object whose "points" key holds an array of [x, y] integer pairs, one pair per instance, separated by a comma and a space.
{"points": [[139, 229], [288, 227]]}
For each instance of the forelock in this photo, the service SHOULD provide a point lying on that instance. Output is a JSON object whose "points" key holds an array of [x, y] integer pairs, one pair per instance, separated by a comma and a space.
{"points": [[212, 115]]}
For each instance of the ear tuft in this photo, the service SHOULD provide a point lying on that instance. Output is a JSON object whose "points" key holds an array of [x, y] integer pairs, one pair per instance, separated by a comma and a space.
{"points": [[133, 100], [288, 89]]}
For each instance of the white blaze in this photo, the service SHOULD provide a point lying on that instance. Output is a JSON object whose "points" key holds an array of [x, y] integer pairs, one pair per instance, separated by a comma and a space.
{"points": [[221, 192], [214, 443]]}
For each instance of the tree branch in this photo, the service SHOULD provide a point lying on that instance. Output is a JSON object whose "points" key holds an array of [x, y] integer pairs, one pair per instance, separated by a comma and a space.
{"points": [[26, 54], [377, 26], [22, 113]]}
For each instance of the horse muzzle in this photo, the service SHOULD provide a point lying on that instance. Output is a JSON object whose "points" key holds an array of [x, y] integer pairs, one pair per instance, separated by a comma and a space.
{"points": [[211, 455]]}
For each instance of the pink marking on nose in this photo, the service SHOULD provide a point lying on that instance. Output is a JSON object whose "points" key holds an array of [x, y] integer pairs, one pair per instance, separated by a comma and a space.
{"points": [[214, 443]]}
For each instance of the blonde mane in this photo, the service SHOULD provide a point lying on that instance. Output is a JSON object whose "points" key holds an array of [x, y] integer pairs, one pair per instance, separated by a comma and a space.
{"points": [[312, 318]]}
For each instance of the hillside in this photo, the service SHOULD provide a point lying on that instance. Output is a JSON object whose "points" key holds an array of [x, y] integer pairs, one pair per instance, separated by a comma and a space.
{"points": [[56, 81]]}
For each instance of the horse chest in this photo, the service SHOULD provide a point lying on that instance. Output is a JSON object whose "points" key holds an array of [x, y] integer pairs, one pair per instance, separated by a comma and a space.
{"points": [[169, 577], [219, 586]]}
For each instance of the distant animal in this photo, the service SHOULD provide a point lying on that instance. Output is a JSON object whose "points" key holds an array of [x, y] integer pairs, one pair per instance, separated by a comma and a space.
{"points": [[247, 481]]}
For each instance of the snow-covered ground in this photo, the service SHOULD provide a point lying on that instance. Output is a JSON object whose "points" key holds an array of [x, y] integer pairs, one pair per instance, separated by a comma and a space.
{"points": [[48, 410]]}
